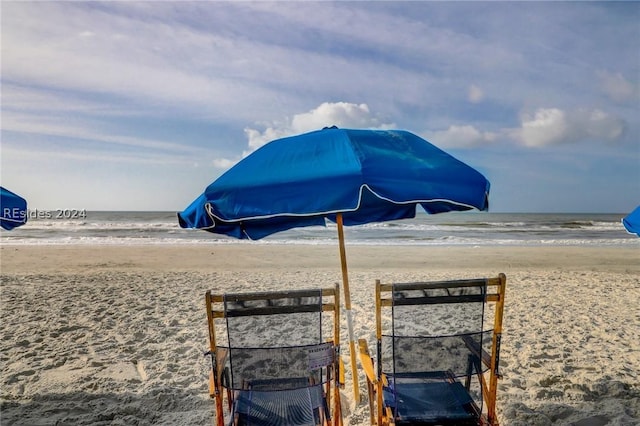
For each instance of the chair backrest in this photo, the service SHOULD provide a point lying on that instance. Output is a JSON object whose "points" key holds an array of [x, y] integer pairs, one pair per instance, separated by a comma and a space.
{"points": [[444, 329], [430, 324], [276, 340]]}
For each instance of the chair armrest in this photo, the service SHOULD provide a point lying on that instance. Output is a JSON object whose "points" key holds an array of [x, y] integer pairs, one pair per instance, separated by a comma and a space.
{"points": [[212, 385], [366, 361], [477, 350], [221, 359]]}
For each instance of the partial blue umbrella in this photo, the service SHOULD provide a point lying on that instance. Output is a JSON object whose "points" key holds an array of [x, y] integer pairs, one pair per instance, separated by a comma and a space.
{"points": [[14, 209], [632, 222], [347, 176]]}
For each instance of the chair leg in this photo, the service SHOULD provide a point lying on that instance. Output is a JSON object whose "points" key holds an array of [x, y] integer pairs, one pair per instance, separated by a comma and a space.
{"points": [[337, 415], [372, 394]]}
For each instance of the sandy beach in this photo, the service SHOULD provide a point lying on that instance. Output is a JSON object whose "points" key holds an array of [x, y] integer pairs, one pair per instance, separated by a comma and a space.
{"points": [[109, 335]]}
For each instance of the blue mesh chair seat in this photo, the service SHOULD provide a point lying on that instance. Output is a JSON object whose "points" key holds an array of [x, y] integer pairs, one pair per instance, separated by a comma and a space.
{"points": [[430, 403], [299, 406]]}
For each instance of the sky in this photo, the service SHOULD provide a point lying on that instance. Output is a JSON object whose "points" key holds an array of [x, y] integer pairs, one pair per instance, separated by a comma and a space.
{"points": [[140, 105]]}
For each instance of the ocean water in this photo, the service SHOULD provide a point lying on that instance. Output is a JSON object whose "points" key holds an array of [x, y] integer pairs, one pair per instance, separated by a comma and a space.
{"points": [[454, 229]]}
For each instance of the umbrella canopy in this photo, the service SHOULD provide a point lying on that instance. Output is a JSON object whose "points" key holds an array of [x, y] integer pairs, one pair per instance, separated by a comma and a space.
{"points": [[632, 222], [348, 176], [14, 209], [367, 175]]}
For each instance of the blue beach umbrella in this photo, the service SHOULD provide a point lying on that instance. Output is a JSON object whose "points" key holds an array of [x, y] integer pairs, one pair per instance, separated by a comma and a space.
{"points": [[14, 209], [350, 177], [632, 222]]}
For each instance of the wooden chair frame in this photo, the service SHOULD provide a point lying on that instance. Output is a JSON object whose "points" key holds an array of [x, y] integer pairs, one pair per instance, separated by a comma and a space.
{"points": [[376, 379], [215, 311]]}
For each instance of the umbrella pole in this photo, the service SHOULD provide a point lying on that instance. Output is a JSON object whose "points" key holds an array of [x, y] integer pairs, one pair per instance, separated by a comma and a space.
{"points": [[347, 305]]}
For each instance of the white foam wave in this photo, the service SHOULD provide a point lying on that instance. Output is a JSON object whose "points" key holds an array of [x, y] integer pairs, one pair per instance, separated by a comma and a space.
{"points": [[213, 240]]}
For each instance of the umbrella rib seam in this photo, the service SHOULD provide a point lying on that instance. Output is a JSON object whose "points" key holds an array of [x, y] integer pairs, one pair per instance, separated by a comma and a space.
{"points": [[214, 217]]}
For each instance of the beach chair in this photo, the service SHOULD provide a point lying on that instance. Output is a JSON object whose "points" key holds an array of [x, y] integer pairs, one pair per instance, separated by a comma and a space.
{"points": [[276, 359], [437, 363]]}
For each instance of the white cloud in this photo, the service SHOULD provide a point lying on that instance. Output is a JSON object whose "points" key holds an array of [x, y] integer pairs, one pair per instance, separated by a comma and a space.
{"points": [[327, 114], [600, 125], [69, 159], [78, 130], [545, 127], [553, 126], [475, 94], [460, 137], [120, 58], [223, 163], [341, 114], [257, 139], [617, 87]]}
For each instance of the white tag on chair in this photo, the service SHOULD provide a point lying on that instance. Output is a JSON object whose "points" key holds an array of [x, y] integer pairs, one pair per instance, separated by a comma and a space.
{"points": [[320, 356]]}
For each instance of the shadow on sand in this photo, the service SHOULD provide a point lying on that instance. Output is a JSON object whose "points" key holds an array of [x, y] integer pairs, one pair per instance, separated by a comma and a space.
{"points": [[159, 406]]}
